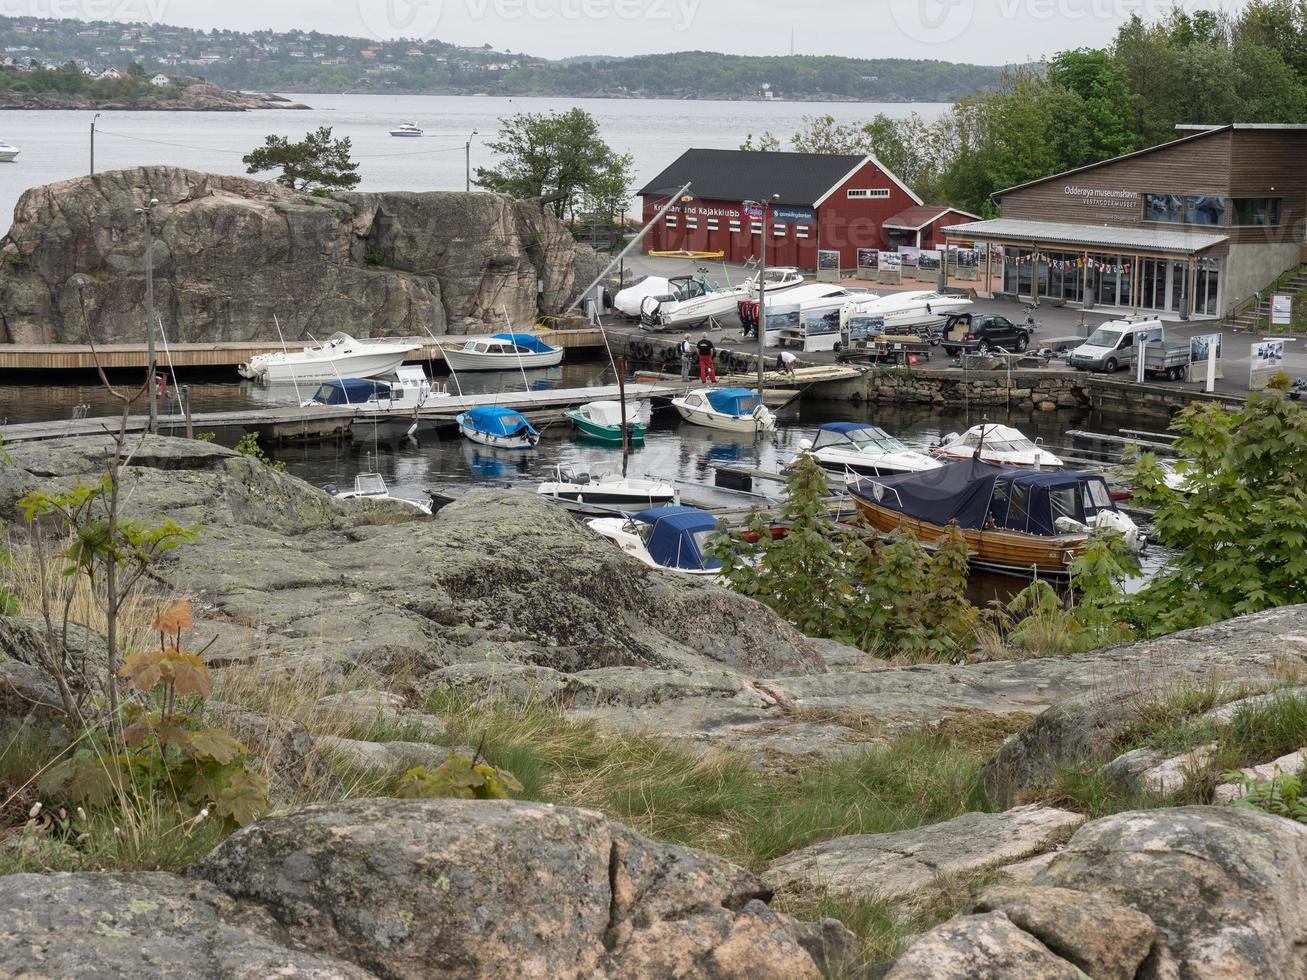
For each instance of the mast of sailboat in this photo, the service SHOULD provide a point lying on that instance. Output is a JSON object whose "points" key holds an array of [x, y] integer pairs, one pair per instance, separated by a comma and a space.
{"points": [[671, 202]]}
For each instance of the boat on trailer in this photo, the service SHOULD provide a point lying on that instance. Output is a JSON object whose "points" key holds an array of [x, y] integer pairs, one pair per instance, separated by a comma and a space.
{"points": [[1013, 520], [674, 538], [498, 428]]}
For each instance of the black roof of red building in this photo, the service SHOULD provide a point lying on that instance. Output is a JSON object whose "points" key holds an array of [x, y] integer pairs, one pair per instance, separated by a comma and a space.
{"points": [[742, 175]]}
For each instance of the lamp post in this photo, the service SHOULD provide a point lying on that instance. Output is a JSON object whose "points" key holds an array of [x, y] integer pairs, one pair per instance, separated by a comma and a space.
{"points": [[93, 119], [765, 207], [468, 152], [147, 213]]}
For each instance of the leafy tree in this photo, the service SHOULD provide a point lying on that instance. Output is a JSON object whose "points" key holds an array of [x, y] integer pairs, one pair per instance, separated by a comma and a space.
{"points": [[1240, 533], [558, 157], [316, 161]]}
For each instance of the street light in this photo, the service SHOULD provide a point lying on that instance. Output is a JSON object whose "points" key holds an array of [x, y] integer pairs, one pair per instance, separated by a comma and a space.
{"points": [[468, 149], [147, 213], [93, 119], [765, 207]]}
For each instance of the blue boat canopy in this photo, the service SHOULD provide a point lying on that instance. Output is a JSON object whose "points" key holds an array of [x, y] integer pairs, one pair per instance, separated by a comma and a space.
{"points": [[734, 401], [351, 391], [678, 536], [978, 495], [496, 421], [527, 341], [846, 427]]}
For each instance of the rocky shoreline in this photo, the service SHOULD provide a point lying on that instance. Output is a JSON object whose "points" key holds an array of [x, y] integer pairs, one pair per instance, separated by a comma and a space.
{"points": [[201, 97], [501, 600]]}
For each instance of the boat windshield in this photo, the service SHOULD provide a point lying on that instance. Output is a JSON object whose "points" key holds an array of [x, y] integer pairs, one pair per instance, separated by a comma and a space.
{"points": [[1012, 445], [1104, 338], [370, 484], [873, 441]]}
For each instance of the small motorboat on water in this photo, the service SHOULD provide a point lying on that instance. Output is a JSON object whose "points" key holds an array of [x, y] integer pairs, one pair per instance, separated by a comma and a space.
{"points": [[865, 450], [1001, 445], [408, 388], [729, 409], [503, 352], [605, 490], [406, 129], [372, 486], [1013, 520], [674, 538], [498, 428], [8, 152], [603, 421], [340, 357]]}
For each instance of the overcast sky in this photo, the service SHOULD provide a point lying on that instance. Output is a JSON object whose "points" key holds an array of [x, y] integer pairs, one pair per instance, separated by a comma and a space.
{"points": [[981, 31]]}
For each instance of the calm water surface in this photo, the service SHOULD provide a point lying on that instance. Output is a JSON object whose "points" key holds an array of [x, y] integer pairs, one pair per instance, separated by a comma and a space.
{"points": [[55, 145]]}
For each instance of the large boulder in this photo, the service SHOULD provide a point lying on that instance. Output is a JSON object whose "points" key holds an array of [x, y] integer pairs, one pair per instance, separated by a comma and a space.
{"points": [[471, 888], [981, 947], [901, 865], [232, 252], [1226, 887]]}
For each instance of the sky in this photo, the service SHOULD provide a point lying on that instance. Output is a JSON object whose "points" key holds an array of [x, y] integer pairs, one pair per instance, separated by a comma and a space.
{"points": [[977, 31]]}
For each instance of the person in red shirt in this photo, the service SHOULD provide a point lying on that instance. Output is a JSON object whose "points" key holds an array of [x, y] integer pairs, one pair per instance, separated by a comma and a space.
{"points": [[707, 371]]}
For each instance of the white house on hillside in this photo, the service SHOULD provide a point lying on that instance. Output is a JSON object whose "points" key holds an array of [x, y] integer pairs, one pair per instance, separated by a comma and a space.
{"points": [[161, 81]]}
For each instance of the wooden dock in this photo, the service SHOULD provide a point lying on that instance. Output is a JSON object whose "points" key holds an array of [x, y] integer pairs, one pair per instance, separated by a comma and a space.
{"points": [[81, 357], [324, 421]]}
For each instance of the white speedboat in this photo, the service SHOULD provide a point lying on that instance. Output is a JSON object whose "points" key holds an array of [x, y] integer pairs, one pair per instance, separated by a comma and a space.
{"points": [[1001, 445], [408, 388], [627, 302], [794, 310], [602, 490], [908, 311], [8, 152], [503, 352], [498, 428], [406, 129], [372, 486], [340, 357], [674, 538], [865, 450], [729, 409], [692, 300]]}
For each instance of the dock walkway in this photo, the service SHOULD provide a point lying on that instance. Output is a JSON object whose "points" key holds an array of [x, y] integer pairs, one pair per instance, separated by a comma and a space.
{"points": [[292, 422]]}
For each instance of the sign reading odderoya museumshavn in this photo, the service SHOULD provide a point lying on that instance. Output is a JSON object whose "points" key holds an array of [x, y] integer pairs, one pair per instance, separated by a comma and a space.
{"points": [[1094, 197]]}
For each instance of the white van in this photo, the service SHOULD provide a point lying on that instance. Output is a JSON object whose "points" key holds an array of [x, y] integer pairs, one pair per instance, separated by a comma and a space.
{"points": [[1115, 344]]}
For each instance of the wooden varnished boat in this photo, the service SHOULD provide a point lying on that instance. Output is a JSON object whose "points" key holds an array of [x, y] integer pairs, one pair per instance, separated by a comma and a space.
{"points": [[1012, 520]]}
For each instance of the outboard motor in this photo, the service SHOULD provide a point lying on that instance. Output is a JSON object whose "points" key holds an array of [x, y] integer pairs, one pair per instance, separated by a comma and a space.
{"points": [[650, 312]]}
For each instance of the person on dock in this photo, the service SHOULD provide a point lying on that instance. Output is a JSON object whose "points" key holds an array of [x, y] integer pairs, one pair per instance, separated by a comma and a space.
{"points": [[687, 357], [707, 349], [788, 360]]}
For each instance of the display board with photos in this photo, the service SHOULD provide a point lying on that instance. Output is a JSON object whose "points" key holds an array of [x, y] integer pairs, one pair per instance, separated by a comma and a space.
{"points": [[890, 268], [1200, 348], [928, 262], [1267, 361], [868, 260], [828, 265], [863, 326]]}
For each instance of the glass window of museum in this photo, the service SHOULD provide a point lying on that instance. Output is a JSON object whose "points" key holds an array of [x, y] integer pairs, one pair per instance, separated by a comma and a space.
{"points": [[1132, 281]]}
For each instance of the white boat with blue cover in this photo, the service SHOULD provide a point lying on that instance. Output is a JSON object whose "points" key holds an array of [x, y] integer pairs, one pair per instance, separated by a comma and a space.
{"points": [[729, 409], [674, 538], [408, 388], [865, 450], [499, 428], [503, 352]]}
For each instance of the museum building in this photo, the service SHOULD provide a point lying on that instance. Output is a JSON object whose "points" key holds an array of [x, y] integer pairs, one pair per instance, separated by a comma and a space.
{"points": [[1190, 228]]}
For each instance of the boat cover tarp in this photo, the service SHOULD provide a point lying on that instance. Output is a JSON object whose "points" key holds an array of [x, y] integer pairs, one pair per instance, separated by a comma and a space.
{"points": [[672, 543], [844, 428], [496, 421], [733, 401], [973, 493], [957, 492], [351, 391], [527, 341]]}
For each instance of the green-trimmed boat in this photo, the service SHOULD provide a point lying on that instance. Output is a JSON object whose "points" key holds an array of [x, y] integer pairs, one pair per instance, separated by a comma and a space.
{"points": [[603, 421]]}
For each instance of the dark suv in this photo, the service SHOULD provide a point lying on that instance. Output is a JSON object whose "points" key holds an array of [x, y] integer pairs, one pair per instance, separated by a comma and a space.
{"points": [[979, 333]]}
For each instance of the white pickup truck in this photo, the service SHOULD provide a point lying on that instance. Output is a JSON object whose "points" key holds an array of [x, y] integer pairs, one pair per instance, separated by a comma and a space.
{"points": [[1115, 344]]}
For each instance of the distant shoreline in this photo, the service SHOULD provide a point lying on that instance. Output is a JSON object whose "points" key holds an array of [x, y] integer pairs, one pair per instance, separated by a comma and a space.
{"points": [[211, 100]]}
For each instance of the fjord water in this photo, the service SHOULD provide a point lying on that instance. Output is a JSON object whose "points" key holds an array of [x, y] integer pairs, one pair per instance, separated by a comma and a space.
{"points": [[56, 145]]}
